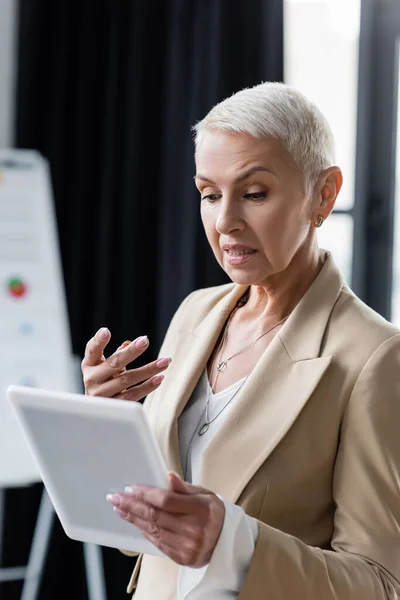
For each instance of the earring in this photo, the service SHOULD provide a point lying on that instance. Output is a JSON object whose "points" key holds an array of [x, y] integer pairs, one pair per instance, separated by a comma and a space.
{"points": [[320, 221]]}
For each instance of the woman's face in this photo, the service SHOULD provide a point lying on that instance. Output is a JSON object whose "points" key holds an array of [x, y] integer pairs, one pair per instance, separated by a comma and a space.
{"points": [[251, 194]]}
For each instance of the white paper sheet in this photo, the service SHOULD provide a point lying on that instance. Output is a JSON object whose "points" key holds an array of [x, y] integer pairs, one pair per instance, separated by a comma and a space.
{"points": [[35, 346]]}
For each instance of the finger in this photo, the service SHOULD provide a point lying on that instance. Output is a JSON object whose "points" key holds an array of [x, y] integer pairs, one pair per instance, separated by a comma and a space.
{"points": [[133, 377], [127, 354], [124, 345], [153, 368], [171, 547], [95, 347], [160, 498], [117, 385], [183, 487], [120, 387], [185, 525], [179, 548], [182, 551], [118, 373], [140, 391], [117, 362]]}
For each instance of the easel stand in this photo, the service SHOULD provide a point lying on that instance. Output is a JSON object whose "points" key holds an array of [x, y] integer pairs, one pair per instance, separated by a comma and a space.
{"points": [[31, 574]]}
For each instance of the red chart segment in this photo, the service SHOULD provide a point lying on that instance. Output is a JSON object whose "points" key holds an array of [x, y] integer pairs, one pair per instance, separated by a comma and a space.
{"points": [[17, 288]]}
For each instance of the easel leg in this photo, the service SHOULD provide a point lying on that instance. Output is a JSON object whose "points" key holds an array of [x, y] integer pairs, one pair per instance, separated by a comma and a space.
{"points": [[2, 502], [32, 573], [94, 572], [39, 547]]}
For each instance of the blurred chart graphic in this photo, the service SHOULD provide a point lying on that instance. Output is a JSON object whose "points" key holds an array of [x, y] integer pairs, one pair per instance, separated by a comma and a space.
{"points": [[35, 347]]}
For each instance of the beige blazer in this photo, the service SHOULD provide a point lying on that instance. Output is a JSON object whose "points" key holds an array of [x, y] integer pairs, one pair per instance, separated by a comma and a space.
{"points": [[311, 448]]}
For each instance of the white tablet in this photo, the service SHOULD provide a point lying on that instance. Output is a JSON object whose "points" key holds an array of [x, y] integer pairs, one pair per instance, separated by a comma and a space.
{"points": [[85, 448]]}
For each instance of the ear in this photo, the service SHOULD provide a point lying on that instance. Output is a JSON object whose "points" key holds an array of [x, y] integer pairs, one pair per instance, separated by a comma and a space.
{"points": [[326, 192]]}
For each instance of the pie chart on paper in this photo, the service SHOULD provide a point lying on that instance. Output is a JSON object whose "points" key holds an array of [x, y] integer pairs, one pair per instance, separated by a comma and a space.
{"points": [[17, 287]]}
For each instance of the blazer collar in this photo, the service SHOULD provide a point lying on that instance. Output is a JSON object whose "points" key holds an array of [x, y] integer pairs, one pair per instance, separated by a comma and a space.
{"points": [[303, 333], [272, 397], [312, 311]]}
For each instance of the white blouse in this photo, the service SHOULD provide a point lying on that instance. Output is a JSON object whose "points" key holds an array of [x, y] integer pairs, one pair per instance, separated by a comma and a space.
{"points": [[223, 577]]}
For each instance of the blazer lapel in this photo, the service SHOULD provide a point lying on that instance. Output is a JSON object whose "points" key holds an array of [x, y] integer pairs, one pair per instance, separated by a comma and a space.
{"points": [[265, 409], [275, 393], [201, 343], [271, 399]]}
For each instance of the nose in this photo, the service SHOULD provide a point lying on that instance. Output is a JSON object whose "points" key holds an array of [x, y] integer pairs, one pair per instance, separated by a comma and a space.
{"points": [[229, 217]]}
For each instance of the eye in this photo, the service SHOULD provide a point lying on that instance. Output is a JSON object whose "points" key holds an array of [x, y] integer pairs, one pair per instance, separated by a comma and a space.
{"points": [[211, 197], [256, 195]]}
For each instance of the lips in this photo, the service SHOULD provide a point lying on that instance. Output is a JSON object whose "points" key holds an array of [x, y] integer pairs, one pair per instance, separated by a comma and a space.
{"points": [[239, 252], [238, 249], [239, 257]]}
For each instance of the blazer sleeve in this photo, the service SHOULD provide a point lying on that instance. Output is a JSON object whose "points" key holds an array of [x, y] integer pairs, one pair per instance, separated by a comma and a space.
{"points": [[364, 563]]}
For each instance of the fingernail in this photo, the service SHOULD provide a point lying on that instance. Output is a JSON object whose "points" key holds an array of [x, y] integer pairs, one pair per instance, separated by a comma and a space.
{"points": [[124, 345], [103, 333], [157, 379], [142, 341], [121, 513], [163, 362], [129, 490], [113, 499]]}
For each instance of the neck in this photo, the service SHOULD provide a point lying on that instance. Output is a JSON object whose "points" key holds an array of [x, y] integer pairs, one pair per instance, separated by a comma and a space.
{"points": [[277, 296]]}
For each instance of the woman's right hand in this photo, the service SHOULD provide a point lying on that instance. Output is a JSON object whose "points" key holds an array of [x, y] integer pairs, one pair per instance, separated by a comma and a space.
{"points": [[108, 377]]}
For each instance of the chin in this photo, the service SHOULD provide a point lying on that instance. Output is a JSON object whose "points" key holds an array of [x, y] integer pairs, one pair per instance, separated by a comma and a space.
{"points": [[245, 275], [244, 278]]}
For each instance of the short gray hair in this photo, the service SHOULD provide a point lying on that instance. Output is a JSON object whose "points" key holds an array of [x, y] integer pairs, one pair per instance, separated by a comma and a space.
{"points": [[280, 111]]}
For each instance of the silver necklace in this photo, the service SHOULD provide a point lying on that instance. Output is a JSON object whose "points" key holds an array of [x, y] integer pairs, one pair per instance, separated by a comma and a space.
{"points": [[206, 426], [202, 429], [241, 302], [224, 363]]}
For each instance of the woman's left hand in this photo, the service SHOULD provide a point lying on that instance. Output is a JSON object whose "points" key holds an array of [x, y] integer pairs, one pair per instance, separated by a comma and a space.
{"points": [[184, 522]]}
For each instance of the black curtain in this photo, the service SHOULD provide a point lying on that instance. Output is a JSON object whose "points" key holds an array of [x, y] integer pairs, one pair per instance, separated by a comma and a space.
{"points": [[108, 92]]}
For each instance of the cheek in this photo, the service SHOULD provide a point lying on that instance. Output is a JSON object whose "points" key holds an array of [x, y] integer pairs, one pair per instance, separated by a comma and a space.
{"points": [[208, 221], [281, 233]]}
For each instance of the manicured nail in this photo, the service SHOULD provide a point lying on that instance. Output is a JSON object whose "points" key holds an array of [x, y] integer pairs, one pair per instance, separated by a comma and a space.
{"points": [[142, 341], [157, 379], [163, 362], [113, 499], [124, 345], [104, 333], [129, 489], [121, 513]]}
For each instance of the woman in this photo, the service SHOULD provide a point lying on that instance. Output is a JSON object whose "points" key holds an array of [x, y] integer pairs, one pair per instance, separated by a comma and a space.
{"points": [[280, 409]]}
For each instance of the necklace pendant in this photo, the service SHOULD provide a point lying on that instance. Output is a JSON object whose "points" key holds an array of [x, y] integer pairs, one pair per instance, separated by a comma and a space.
{"points": [[204, 429], [222, 365]]}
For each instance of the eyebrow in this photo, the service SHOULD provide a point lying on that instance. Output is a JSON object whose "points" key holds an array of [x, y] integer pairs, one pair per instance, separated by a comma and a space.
{"points": [[243, 176]]}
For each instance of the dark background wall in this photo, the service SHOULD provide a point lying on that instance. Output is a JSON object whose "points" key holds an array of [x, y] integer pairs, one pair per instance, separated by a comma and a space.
{"points": [[107, 91]]}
